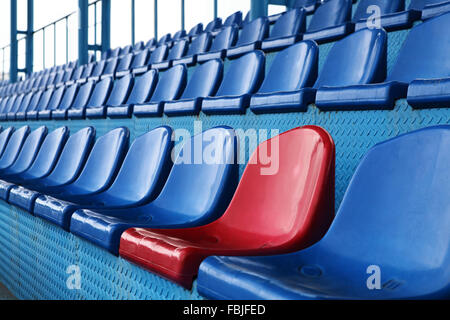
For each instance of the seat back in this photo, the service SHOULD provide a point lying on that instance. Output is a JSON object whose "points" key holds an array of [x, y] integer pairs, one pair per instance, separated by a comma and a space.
{"points": [[197, 29], [14, 146], [178, 50], [293, 68], [98, 69], [143, 88], [394, 195], [16, 105], [145, 167], [68, 97], [55, 100], [125, 62], [111, 66], [43, 101], [214, 25], [385, 6], [159, 55], [67, 75], [330, 14], [304, 3], [290, 23], [120, 91], [125, 50], [244, 75], [164, 39], [423, 56], [200, 44], [138, 46], [421, 4], [33, 102], [225, 39], [100, 93], [9, 104], [73, 157], [48, 153], [254, 31], [140, 59], [89, 69], [171, 84], [205, 80], [151, 43], [29, 150], [78, 72], [83, 95], [5, 135], [360, 58], [25, 102], [204, 186], [4, 103], [277, 203], [178, 35], [103, 162], [234, 20]]}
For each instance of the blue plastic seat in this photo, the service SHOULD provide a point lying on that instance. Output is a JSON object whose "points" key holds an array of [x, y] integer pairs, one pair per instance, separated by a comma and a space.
{"points": [[141, 92], [109, 70], [125, 51], [214, 25], [286, 31], [288, 84], [89, 70], [389, 19], [199, 45], [44, 113], [331, 21], [11, 113], [164, 39], [100, 94], [250, 38], [151, 44], [32, 111], [138, 46], [203, 83], [394, 218], [124, 65], [422, 65], [157, 56], [184, 201], [194, 32], [67, 169], [7, 106], [178, 51], [308, 5], [111, 53], [140, 179], [13, 148], [42, 166], [225, 39], [5, 135], [170, 87], [21, 114], [139, 61], [234, 19], [97, 72], [66, 103], [119, 93], [242, 79]]}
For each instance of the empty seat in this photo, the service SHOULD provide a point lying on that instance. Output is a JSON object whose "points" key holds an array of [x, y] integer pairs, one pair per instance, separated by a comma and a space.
{"points": [[67, 101], [263, 217], [164, 39], [214, 25], [88, 70], [203, 83], [178, 51], [125, 50], [97, 71], [4, 138], [243, 78], [225, 39], [250, 37], [234, 19], [46, 157], [288, 84], [81, 99], [139, 181], [32, 111], [421, 57], [388, 9], [100, 94], [286, 31], [21, 114], [124, 65], [308, 5], [331, 21], [119, 93], [66, 171], [185, 200], [157, 56], [139, 60], [109, 70], [138, 46], [13, 148], [199, 45], [44, 112], [394, 219], [170, 87], [111, 53], [10, 113], [143, 89], [194, 32]]}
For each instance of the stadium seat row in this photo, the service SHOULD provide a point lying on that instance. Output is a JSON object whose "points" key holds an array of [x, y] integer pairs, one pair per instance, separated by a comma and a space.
{"points": [[159, 213], [330, 22], [354, 76]]}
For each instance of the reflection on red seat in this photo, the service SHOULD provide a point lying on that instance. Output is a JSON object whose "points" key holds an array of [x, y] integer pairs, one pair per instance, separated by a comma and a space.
{"points": [[269, 214]]}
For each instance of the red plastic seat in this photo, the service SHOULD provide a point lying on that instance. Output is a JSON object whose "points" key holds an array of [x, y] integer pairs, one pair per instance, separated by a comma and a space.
{"points": [[269, 214]]}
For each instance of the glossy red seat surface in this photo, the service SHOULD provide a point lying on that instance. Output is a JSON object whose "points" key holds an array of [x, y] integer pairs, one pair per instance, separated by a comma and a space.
{"points": [[282, 207]]}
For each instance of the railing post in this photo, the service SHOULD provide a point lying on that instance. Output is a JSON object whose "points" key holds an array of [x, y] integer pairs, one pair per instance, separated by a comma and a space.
{"points": [[215, 9], [156, 20], [14, 46], [259, 8], [182, 15], [133, 22], [106, 25], [30, 37], [83, 25]]}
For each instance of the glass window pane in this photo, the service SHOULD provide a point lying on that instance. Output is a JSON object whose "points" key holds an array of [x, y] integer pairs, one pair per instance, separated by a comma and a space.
{"points": [[120, 23], [228, 7], [197, 11], [169, 17], [145, 20]]}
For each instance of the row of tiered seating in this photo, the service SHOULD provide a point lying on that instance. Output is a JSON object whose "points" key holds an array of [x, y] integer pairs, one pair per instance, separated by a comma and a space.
{"points": [[136, 202], [354, 76], [331, 21]]}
